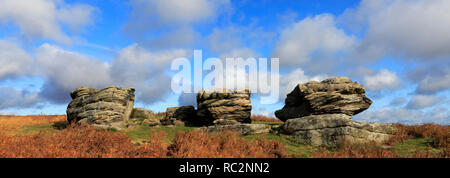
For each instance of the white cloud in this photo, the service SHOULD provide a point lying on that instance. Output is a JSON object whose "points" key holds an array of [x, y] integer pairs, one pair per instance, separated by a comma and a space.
{"points": [[405, 116], [181, 11], [42, 18], [71, 69], [144, 70], [423, 101], [13, 98], [14, 61], [416, 29], [383, 79], [313, 34], [289, 81], [172, 20]]}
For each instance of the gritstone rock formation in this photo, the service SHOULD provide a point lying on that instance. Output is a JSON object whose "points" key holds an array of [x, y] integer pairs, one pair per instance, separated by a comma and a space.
{"points": [[140, 116], [242, 129], [105, 108], [334, 95], [224, 106], [320, 113], [333, 129], [180, 116]]}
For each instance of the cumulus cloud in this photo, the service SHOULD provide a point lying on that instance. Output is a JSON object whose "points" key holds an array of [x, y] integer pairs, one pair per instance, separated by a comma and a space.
{"points": [[177, 11], [390, 30], [63, 71], [237, 41], [144, 70], [405, 116], [42, 19], [292, 79], [423, 101], [431, 77], [14, 61], [312, 35], [171, 19], [383, 79], [14, 98]]}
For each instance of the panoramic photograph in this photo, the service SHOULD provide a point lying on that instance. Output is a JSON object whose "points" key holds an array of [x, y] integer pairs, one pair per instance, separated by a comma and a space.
{"points": [[225, 79]]}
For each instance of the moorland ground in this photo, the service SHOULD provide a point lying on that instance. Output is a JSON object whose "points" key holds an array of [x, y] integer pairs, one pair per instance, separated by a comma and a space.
{"points": [[51, 136]]}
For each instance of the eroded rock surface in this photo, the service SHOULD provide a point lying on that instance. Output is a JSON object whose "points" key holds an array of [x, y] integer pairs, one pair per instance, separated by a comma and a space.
{"points": [[333, 129], [334, 95], [140, 116], [224, 106], [181, 116], [242, 129], [105, 108]]}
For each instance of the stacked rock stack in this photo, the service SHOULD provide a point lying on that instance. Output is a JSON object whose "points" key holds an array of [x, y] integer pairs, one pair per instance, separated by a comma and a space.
{"points": [[320, 113], [105, 108], [224, 106]]}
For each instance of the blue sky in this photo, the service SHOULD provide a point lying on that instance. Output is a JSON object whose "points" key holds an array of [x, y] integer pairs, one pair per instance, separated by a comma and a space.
{"points": [[398, 49]]}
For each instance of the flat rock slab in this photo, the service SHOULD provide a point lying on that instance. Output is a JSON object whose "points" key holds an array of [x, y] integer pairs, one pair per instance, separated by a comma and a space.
{"points": [[242, 129], [330, 130]]}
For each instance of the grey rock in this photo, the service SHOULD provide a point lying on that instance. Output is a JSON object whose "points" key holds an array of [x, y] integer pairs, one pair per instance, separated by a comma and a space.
{"points": [[224, 106], [242, 129], [105, 108], [180, 116], [334, 95], [331, 130], [151, 122]]}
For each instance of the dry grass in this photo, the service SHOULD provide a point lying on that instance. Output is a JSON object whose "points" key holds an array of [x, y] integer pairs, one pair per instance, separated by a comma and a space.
{"points": [[440, 134], [226, 144], [85, 142], [78, 142], [261, 118], [10, 124]]}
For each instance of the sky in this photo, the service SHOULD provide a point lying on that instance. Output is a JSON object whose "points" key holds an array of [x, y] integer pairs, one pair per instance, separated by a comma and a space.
{"points": [[399, 50]]}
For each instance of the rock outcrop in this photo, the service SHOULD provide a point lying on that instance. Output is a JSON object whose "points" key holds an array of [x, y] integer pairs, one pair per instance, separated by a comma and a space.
{"points": [[105, 108], [320, 113], [242, 129], [333, 129], [140, 116], [180, 116], [334, 95], [224, 106]]}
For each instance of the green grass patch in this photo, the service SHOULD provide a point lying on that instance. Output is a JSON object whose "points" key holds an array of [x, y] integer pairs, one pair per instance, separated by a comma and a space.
{"points": [[142, 133], [412, 145], [292, 146], [268, 123], [34, 129]]}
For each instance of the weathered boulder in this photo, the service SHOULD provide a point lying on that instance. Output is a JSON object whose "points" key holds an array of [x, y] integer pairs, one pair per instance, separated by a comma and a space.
{"points": [[105, 108], [140, 113], [242, 129], [333, 95], [224, 106], [180, 116], [333, 129], [140, 116]]}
